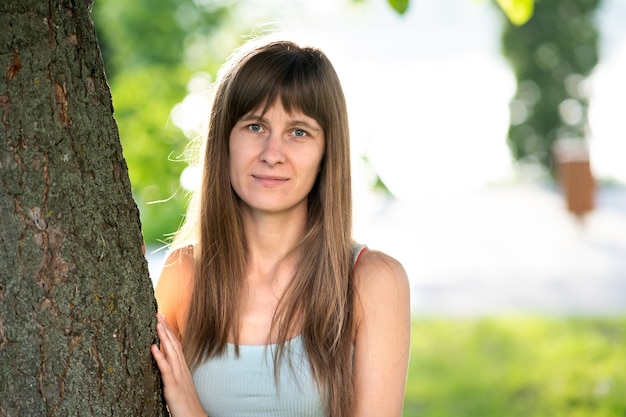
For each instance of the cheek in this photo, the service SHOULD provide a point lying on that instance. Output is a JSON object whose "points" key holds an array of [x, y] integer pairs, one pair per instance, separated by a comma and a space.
{"points": [[233, 166], [320, 161], [314, 169], [236, 158], [319, 164], [235, 180], [234, 170], [240, 160]]}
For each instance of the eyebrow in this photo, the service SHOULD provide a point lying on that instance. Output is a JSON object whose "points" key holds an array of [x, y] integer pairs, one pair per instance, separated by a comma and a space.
{"points": [[306, 125], [253, 117]]}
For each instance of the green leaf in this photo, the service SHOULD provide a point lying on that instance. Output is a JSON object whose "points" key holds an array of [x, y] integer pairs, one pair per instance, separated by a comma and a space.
{"points": [[518, 11], [399, 6]]}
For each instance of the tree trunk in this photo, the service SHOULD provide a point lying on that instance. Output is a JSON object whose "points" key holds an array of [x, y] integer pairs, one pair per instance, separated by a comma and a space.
{"points": [[76, 302]]}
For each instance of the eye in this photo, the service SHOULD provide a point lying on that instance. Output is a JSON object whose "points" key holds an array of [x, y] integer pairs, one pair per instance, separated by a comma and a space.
{"points": [[299, 133], [255, 127]]}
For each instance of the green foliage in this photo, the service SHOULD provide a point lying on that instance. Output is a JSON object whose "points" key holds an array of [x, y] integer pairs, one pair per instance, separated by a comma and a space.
{"points": [[143, 33], [550, 56], [400, 6], [152, 146], [146, 47], [523, 366], [518, 11]]}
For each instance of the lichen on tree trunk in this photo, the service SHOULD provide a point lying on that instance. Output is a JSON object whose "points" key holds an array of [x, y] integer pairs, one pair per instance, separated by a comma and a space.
{"points": [[76, 302]]}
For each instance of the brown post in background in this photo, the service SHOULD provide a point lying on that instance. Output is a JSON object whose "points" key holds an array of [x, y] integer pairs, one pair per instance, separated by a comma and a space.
{"points": [[574, 176]]}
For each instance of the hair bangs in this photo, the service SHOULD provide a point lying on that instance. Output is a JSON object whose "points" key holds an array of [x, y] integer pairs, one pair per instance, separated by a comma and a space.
{"points": [[291, 75]]}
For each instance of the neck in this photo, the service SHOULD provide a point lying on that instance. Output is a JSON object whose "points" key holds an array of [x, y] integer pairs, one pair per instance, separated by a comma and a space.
{"points": [[271, 239]]}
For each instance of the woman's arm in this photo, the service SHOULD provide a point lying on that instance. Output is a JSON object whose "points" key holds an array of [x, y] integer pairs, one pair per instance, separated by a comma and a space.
{"points": [[174, 288], [173, 292], [382, 340]]}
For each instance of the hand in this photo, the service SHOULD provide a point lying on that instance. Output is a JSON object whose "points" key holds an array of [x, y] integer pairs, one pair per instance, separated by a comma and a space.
{"points": [[180, 393]]}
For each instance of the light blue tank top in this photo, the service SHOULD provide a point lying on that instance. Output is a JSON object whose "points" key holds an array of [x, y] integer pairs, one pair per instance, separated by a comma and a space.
{"points": [[244, 386], [230, 386]]}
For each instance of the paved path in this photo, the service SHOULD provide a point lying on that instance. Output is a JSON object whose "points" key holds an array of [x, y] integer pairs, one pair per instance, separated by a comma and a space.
{"points": [[507, 249]]}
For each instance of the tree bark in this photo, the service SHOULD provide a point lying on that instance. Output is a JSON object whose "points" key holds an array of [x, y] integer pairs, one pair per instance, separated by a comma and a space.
{"points": [[76, 301]]}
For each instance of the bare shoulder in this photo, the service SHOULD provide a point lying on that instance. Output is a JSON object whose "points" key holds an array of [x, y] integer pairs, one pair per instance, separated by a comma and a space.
{"points": [[174, 287], [177, 269], [179, 259], [381, 282], [376, 270]]}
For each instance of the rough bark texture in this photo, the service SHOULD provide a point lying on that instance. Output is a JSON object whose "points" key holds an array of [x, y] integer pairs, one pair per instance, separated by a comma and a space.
{"points": [[76, 302]]}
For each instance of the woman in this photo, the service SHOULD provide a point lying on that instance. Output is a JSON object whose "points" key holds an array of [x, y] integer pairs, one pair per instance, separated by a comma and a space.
{"points": [[277, 311]]}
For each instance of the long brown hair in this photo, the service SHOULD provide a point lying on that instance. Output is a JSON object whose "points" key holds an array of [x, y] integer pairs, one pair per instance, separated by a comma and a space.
{"points": [[320, 297]]}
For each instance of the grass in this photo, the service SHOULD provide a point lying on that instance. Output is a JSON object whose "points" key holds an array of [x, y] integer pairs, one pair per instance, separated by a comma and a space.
{"points": [[517, 366]]}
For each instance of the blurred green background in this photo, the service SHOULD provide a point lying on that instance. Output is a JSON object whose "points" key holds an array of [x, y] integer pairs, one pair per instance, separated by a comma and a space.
{"points": [[161, 55], [517, 367]]}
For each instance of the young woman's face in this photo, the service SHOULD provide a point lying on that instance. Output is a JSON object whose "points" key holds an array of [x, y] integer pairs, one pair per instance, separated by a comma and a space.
{"points": [[275, 158]]}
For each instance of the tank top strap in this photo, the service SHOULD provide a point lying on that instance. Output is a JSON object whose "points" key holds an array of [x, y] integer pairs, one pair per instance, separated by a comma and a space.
{"points": [[357, 251]]}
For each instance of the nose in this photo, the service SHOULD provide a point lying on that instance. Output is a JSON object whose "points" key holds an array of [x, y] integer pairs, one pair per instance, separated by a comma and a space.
{"points": [[273, 150]]}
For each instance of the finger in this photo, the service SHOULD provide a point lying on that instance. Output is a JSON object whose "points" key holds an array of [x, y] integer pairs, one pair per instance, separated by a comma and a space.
{"points": [[160, 359], [161, 317], [169, 342], [172, 351], [161, 320]]}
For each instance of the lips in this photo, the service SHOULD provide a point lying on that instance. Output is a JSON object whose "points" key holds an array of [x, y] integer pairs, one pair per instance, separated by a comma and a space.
{"points": [[270, 180]]}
